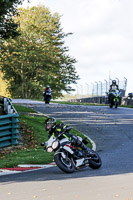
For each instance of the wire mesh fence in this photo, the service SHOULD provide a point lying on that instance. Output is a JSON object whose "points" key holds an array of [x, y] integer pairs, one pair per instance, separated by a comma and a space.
{"points": [[99, 88]]}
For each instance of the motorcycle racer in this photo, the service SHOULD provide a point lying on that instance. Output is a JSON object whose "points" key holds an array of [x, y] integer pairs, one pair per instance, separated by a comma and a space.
{"points": [[113, 88], [63, 132], [47, 94]]}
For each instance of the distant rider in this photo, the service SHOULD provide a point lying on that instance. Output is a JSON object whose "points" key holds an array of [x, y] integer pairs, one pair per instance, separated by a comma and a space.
{"points": [[47, 89], [113, 88]]}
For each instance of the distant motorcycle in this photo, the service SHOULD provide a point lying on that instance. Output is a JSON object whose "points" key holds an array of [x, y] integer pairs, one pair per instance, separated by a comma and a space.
{"points": [[47, 96], [70, 158], [114, 99]]}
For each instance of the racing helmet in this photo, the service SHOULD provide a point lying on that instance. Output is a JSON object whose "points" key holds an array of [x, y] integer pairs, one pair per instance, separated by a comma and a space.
{"points": [[49, 123], [113, 82], [47, 86]]}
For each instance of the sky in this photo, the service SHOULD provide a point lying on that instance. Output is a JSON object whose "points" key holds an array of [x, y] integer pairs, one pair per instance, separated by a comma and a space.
{"points": [[102, 39]]}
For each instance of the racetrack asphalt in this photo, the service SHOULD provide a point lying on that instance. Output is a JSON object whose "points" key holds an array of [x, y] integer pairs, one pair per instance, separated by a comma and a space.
{"points": [[112, 131]]}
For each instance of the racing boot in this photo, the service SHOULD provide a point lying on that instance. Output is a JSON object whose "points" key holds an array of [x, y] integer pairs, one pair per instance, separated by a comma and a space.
{"points": [[86, 150]]}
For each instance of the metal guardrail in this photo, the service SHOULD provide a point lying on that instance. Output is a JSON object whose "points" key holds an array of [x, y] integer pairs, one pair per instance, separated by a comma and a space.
{"points": [[104, 100], [8, 130], [98, 100], [9, 125], [8, 107]]}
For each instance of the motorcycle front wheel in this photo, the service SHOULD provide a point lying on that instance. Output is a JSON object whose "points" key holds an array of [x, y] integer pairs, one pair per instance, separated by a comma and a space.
{"points": [[95, 161], [47, 100], [65, 165], [116, 104], [111, 106]]}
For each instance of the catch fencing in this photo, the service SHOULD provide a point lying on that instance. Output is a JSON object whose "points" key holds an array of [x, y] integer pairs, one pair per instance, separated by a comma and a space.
{"points": [[99, 88]]}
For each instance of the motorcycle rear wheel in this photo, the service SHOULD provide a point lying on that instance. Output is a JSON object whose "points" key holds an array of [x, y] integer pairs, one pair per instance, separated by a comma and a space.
{"points": [[95, 162], [65, 165]]}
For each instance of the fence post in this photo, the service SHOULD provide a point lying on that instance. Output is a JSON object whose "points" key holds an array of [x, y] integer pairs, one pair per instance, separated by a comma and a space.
{"points": [[97, 87]]}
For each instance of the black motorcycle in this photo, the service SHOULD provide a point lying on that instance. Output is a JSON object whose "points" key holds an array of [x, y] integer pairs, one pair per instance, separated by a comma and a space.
{"points": [[69, 157], [47, 96], [114, 99]]}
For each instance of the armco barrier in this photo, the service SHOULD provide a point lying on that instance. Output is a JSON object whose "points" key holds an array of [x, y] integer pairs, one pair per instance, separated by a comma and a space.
{"points": [[98, 100], [9, 125], [8, 130]]}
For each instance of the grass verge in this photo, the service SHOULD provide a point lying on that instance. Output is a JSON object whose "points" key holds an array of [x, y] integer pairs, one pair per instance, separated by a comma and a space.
{"points": [[20, 108], [31, 134]]}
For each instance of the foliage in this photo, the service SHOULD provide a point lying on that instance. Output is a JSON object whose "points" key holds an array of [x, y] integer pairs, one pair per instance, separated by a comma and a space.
{"points": [[3, 87], [8, 8], [38, 57]]}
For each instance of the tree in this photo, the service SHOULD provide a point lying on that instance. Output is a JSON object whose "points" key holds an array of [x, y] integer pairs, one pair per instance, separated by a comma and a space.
{"points": [[8, 8], [38, 56], [3, 87]]}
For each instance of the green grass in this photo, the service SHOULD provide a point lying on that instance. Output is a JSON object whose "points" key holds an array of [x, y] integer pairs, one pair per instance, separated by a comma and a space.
{"points": [[129, 106], [35, 154], [23, 109], [29, 155]]}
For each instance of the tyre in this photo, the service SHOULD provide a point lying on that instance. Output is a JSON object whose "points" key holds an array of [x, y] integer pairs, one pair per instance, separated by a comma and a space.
{"points": [[111, 102], [95, 161], [65, 165], [110, 105], [47, 100], [116, 104]]}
